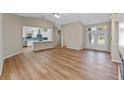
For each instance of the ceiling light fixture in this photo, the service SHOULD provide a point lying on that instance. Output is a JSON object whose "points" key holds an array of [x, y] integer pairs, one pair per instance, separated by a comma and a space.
{"points": [[56, 15]]}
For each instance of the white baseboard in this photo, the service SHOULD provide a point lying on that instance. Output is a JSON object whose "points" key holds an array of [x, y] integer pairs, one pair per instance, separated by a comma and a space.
{"points": [[97, 49], [2, 60], [119, 73], [12, 55], [74, 48], [1, 66], [116, 61]]}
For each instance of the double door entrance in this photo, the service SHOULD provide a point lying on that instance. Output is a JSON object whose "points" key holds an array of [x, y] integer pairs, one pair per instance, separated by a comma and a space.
{"points": [[97, 37]]}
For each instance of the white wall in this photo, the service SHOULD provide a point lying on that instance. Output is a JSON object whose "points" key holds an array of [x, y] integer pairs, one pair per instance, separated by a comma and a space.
{"points": [[12, 27], [56, 37], [37, 22], [12, 36], [1, 45], [73, 35]]}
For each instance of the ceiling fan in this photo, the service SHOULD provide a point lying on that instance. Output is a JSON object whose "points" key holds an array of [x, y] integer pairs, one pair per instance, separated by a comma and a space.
{"points": [[56, 15]]}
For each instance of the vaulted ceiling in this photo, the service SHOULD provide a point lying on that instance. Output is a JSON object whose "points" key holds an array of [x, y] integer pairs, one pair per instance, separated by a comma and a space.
{"points": [[85, 18]]}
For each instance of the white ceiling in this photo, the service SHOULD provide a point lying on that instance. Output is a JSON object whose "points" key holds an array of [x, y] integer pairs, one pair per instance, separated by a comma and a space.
{"points": [[85, 18]]}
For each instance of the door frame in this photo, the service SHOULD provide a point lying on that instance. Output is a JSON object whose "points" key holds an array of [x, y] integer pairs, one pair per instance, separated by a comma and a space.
{"points": [[96, 32]]}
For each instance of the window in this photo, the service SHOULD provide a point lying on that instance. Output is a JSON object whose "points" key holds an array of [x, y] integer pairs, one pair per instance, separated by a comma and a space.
{"points": [[89, 29], [35, 33], [101, 38], [92, 28], [91, 38], [102, 28]]}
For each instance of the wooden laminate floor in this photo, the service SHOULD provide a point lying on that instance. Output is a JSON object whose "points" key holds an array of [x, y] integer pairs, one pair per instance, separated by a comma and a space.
{"points": [[60, 64]]}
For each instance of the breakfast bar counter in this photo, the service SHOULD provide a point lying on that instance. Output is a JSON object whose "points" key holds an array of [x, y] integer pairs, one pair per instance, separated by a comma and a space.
{"points": [[41, 45]]}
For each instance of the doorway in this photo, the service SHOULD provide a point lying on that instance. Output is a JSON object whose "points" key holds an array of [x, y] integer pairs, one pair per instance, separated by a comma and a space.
{"points": [[97, 37]]}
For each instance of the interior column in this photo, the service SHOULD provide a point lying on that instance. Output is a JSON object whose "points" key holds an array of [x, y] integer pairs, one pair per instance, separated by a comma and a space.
{"points": [[115, 38], [1, 45]]}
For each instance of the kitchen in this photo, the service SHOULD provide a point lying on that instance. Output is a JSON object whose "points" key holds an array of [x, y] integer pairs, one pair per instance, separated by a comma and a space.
{"points": [[37, 38]]}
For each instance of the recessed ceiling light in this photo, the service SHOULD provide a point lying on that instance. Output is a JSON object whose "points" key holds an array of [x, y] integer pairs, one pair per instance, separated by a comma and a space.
{"points": [[56, 15]]}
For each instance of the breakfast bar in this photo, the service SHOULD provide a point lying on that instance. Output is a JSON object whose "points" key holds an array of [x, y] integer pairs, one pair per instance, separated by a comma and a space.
{"points": [[42, 45]]}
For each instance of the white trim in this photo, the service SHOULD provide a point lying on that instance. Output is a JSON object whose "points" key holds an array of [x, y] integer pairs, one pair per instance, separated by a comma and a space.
{"points": [[119, 73], [75, 48], [116, 61], [1, 66], [2, 61], [115, 44], [42, 49], [97, 49], [12, 54]]}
